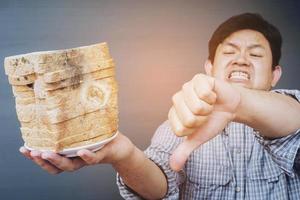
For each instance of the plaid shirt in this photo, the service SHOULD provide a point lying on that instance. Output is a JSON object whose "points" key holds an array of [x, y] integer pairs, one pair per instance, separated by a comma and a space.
{"points": [[236, 164]]}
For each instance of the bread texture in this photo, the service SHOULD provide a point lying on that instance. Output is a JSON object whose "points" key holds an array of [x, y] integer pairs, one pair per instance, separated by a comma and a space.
{"points": [[64, 98]]}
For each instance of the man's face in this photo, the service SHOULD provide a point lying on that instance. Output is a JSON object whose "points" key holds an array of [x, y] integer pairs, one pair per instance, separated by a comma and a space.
{"points": [[245, 58]]}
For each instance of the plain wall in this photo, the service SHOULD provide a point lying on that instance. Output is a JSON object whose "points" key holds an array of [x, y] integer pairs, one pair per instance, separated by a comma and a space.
{"points": [[157, 46]]}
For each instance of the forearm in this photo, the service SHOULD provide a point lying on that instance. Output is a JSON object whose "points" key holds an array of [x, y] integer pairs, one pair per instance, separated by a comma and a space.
{"points": [[273, 115], [142, 175]]}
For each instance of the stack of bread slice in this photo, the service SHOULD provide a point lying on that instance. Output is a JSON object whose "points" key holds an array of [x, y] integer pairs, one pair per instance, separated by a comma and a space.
{"points": [[64, 98]]}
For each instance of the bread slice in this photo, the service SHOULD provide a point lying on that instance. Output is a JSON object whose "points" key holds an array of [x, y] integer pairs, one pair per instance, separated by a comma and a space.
{"points": [[75, 81], [67, 73], [50, 61], [20, 65], [22, 80], [65, 134], [64, 98]]}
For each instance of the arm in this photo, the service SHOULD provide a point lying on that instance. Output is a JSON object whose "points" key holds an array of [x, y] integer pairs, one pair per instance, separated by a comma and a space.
{"points": [[196, 115], [273, 115], [142, 175], [282, 141], [136, 170]]}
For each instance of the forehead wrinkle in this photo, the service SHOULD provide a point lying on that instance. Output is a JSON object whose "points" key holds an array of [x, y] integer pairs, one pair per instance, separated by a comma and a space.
{"points": [[230, 44]]}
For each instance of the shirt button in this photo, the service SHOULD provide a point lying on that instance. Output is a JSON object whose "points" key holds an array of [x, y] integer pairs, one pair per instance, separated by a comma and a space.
{"points": [[237, 189], [238, 150]]}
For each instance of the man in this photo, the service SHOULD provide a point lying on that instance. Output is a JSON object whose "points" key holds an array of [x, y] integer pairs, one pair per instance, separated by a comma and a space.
{"points": [[241, 140]]}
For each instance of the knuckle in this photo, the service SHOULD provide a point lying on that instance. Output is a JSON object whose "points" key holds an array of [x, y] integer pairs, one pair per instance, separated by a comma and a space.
{"points": [[170, 115], [179, 132], [204, 93], [197, 109], [189, 121], [198, 76], [202, 108], [194, 78], [175, 97], [185, 86], [207, 96]]}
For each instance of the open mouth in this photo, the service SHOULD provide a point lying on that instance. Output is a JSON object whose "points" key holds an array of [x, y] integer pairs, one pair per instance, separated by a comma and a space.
{"points": [[238, 75]]}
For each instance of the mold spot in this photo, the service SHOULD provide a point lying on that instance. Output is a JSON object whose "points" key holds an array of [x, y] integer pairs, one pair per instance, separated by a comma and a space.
{"points": [[24, 60], [30, 85]]}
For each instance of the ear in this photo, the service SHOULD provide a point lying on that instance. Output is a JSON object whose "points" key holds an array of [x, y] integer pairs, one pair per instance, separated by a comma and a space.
{"points": [[208, 67], [276, 75]]}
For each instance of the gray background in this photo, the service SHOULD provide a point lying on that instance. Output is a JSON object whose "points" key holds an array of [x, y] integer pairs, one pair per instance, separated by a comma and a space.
{"points": [[157, 46]]}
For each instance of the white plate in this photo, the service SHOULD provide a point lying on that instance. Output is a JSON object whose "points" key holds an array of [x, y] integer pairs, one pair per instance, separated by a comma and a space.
{"points": [[72, 152]]}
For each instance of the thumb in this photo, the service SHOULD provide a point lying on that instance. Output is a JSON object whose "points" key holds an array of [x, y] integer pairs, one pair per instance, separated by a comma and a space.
{"points": [[183, 151], [197, 138], [215, 124]]}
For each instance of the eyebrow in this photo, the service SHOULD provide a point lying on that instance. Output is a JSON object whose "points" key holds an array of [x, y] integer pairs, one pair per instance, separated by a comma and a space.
{"points": [[252, 46]]}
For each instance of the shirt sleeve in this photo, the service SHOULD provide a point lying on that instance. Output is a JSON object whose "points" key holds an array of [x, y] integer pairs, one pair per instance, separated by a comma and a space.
{"points": [[162, 145], [285, 150]]}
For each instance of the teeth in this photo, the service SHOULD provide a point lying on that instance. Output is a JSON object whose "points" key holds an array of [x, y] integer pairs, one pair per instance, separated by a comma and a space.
{"points": [[239, 75]]}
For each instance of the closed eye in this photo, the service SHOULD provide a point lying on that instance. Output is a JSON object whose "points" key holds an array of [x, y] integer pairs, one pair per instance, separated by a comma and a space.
{"points": [[228, 52], [256, 55]]}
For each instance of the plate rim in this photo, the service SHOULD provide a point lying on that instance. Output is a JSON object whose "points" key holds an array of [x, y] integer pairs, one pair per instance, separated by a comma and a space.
{"points": [[70, 150]]}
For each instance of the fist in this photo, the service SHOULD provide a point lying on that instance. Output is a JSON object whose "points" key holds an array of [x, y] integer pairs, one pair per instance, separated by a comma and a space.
{"points": [[192, 105]]}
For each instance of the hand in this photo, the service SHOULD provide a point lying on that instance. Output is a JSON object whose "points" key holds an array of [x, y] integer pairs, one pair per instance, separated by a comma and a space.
{"points": [[114, 152], [200, 111]]}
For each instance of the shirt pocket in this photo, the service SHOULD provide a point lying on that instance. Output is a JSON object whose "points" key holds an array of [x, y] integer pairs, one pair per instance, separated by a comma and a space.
{"points": [[259, 175], [210, 181], [266, 181]]}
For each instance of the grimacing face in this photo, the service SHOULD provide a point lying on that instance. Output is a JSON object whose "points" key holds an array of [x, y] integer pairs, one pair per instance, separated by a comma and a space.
{"points": [[244, 58]]}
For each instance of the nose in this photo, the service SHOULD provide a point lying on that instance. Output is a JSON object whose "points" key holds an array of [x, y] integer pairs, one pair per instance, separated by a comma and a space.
{"points": [[242, 60]]}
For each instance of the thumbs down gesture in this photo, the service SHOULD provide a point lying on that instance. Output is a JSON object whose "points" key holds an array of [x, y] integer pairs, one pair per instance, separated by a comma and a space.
{"points": [[200, 111]]}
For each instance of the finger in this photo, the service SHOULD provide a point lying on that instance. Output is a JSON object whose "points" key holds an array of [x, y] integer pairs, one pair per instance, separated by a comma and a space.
{"points": [[89, 157], [25, 152], [185, 115], [63, 163], [181, 154], [204, 88], [45, 165], [194, 140], [193, 102], [176, 124]]}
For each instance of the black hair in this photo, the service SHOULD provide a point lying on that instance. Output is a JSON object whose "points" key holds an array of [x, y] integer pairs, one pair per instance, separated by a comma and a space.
{"points": [[250, 21]]}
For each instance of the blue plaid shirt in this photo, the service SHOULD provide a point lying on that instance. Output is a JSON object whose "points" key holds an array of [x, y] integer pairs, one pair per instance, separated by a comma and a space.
{"points": [[236, 164]]}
